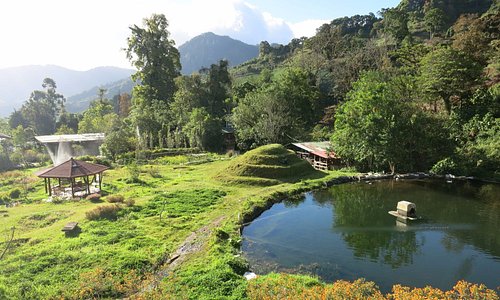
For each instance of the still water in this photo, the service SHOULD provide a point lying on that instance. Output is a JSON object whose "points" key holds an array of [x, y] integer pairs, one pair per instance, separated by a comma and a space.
{"points": [[345, 232]]}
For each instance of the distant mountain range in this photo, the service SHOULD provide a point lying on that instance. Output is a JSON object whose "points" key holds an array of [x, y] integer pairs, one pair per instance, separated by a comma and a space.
{"points": [[81, 87], [81, 101], [208, 48], [18, 83]]}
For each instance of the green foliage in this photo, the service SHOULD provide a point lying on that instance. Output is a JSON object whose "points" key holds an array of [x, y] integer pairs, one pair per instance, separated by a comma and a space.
{"points": [[153, 53], [449, 75], [99, 117], [204, 130], [43, 107], [15, 193], [134, 171], [119, 140], [377, 130], [262, 117], [446, 166]]}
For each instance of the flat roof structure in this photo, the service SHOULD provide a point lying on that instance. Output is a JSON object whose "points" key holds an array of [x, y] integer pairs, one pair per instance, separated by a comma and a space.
{"points": [[85, 137]]}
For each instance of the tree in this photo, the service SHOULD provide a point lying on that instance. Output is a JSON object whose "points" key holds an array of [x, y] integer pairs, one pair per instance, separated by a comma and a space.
{"points": [[217, 83], [119, 140], [43, 107], [152, 52], [396, 23], [434, 20], [99, 117], [69, 122], [261, 118], [204, 130], [449, 75], [278, 112], [470, 37], [124, 104], [378, 128], [16, 119]]}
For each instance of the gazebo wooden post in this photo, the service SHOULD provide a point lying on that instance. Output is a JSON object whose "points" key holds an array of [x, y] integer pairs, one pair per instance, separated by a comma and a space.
{"points": [[88, 185], [72, 187], [100, 181], [59, 182], [50, 188]]}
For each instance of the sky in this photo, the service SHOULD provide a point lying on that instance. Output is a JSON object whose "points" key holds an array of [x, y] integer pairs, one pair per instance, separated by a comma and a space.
{"points": [[84, 34]]}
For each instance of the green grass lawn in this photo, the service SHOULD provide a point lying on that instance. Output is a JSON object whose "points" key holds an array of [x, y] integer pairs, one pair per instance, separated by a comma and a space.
{"points": [[113, 258]]}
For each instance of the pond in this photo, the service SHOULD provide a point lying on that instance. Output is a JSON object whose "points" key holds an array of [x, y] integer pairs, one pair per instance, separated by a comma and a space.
{"points": [[345, 232]]}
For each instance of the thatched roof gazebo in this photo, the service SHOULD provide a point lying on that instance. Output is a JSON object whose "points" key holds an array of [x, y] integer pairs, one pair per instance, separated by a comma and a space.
{"points": [[70, 170]]}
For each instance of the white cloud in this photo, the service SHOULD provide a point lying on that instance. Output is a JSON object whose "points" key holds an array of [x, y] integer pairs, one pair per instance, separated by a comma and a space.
{"points": [[237, 19], [306, 28], [83, 34]]}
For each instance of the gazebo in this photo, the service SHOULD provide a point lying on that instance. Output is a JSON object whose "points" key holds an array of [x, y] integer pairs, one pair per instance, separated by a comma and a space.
{"points": [[71, 170]]}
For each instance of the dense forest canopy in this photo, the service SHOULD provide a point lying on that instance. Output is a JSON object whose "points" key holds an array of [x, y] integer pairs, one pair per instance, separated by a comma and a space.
{"points": [[413, 88]]}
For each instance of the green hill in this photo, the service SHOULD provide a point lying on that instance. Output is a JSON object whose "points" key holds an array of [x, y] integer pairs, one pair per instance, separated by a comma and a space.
{"points": [[266, 165]]}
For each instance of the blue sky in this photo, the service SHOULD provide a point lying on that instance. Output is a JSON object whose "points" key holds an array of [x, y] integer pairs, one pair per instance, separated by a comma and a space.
{"points": [[298, 10], [83, 34]]}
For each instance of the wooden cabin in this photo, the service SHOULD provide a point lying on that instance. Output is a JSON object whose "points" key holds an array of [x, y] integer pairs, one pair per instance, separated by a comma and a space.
{"points": [[319, 154]]}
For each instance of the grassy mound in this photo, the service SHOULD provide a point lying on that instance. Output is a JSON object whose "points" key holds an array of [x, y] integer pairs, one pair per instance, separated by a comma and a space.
{"points": [[266, 165]]}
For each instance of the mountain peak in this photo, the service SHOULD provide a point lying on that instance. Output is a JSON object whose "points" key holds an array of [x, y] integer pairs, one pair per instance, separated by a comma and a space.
{"points": [[208, 48]]}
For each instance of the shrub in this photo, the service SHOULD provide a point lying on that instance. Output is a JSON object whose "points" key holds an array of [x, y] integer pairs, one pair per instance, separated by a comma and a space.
{"points": [[154, 172], [15, 193], [115, 199], [446, 166], [94, 197], [103, 212], [134, 171], [129, 202]]}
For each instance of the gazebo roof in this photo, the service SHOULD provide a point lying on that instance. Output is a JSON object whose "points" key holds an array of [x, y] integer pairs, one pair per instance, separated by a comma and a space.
{"points": [[72, 168]]}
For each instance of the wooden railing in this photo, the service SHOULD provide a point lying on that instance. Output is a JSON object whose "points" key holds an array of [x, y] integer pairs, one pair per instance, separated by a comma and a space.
{"points": [[319, 165]]}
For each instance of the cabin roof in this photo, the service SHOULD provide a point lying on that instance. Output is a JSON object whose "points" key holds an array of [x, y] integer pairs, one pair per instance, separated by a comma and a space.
{"points": [[322, 149], [72, 168], [86, 137]]}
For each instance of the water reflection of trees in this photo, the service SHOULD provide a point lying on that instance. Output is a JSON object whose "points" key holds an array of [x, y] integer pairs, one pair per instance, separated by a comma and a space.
{"points": [[361, 214]]}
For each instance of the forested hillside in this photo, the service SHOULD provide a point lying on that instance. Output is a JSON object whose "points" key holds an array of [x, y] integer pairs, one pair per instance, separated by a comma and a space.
{"points": [[412, 89]]}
